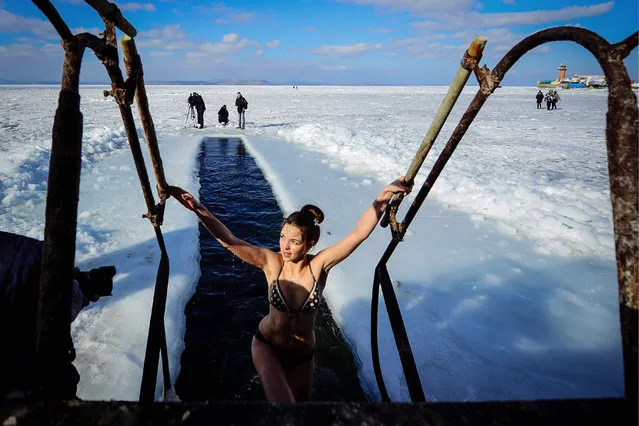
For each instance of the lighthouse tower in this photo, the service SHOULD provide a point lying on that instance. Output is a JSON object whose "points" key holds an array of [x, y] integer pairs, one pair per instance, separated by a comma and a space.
{"points": [[562, 72]]}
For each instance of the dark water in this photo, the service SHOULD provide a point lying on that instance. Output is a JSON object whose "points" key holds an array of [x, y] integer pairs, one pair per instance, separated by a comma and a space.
{"points": [[230, 299]]}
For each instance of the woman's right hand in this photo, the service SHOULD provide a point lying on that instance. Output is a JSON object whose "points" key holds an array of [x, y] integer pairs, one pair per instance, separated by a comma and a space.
{"points": [[186, 199]]}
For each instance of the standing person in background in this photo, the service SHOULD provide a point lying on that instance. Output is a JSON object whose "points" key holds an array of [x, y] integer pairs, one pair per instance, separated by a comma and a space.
{"points": [[555, 98], [223, 115], [549, 99], [195, 100], [540, 98], [242, 105]]}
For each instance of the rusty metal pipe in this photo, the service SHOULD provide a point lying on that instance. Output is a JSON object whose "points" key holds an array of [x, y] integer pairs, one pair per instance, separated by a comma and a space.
{"points": [[469, 62], [111, 12], [132, 62], [53, 324]]}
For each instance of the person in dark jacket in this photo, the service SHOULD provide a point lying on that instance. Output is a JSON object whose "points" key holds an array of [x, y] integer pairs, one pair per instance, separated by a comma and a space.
{"points": [[548, 99], [20, 259], [195, 100], [540, 98], [223, 115], [242, 106], [555, 99]]}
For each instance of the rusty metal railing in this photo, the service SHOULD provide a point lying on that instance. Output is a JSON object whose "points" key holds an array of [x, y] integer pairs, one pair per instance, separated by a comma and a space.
{"points": [[623, 168], [53, 323]]}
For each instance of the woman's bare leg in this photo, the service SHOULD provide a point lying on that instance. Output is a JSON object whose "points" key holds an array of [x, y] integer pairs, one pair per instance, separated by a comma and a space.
{"points": [[300, 380], [271, 373]]}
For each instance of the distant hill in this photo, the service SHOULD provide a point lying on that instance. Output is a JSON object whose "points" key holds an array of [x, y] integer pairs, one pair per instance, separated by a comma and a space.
{"points": [[49, 82]]}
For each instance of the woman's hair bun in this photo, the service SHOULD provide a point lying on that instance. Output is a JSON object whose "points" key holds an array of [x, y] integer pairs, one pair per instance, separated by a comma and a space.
{"points": [[315, 212]]}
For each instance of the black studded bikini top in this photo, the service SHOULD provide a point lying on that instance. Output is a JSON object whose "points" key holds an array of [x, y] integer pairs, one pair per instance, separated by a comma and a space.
{"points": [[310, 305]]}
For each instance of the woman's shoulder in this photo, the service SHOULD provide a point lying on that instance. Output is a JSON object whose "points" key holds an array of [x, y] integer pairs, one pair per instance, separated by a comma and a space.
{"points": [[316, 261], [273, 264]]}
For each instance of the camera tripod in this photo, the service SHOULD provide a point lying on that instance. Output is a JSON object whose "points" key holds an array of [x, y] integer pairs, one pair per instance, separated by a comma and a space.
{"points": [[190, 117]]}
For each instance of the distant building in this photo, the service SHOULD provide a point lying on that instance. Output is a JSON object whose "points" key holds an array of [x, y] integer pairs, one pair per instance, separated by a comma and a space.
{"points": [[574, 82]]}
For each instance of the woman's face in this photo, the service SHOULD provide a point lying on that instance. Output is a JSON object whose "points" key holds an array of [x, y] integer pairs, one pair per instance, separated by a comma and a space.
{"points": [[292, 244]]}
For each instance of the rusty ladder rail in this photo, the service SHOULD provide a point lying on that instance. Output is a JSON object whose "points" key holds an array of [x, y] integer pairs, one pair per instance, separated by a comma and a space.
{"points": [[53, 319], [623, 169]]}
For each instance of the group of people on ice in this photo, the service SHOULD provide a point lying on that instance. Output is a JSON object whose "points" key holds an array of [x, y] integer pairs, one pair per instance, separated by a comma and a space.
{"points": [[551, 98], [196, 101]]}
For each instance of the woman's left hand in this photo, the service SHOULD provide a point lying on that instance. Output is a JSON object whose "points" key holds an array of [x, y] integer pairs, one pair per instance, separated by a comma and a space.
{"points": [[399, 186]]}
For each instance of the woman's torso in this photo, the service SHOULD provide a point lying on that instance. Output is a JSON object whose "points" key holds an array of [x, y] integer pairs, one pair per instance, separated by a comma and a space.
{"points": [[293, 329]]}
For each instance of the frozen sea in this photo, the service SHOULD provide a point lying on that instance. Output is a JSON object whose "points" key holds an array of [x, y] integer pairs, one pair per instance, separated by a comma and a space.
{"points": [[506, 278]]}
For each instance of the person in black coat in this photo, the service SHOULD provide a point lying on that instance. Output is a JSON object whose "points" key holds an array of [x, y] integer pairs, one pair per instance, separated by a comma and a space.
{"points": [[555, 98], [549, 97], [195, 100], [223, 115], [20, 259], [540, 98], [242, 106]]}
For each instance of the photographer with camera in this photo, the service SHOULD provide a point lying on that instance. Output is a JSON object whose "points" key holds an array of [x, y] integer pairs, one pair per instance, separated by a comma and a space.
{"points": [[20, 259], [195, 100]]}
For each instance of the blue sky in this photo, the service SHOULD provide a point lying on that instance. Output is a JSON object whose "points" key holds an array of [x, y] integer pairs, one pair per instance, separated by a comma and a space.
{"points": [[403, 42]]}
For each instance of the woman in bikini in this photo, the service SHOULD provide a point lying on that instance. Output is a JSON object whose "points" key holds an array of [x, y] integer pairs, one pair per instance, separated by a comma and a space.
{"points": [[283, 347]]}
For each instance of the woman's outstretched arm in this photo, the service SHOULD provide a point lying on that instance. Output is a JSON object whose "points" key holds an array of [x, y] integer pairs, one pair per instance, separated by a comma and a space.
{"points": [[256, 256], [334, 254]]}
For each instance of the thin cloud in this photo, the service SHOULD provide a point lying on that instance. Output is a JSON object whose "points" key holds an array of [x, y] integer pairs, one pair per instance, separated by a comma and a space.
{"points": [[169, 37], [432, 46], [357, 49], [420, 7], [28, 40], [228, 15], [93, 30], [134, 7], [378, 30], [236, 18], [504, 35], [230, 38], [426, 26], [438, 51], [218, 7], [173, 32], [541, 49], [259, 52], [19, 49], [180, 45], [538, 17], [160, 53], [273, 44], [154, 43], [51, 48], [418, 40], [310, 29], [334, 68], [12, 23], [230, 43], [150, 33]]}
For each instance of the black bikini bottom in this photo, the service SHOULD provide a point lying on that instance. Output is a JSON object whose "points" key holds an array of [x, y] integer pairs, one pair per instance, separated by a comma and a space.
{"points": [[287, 359]]}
